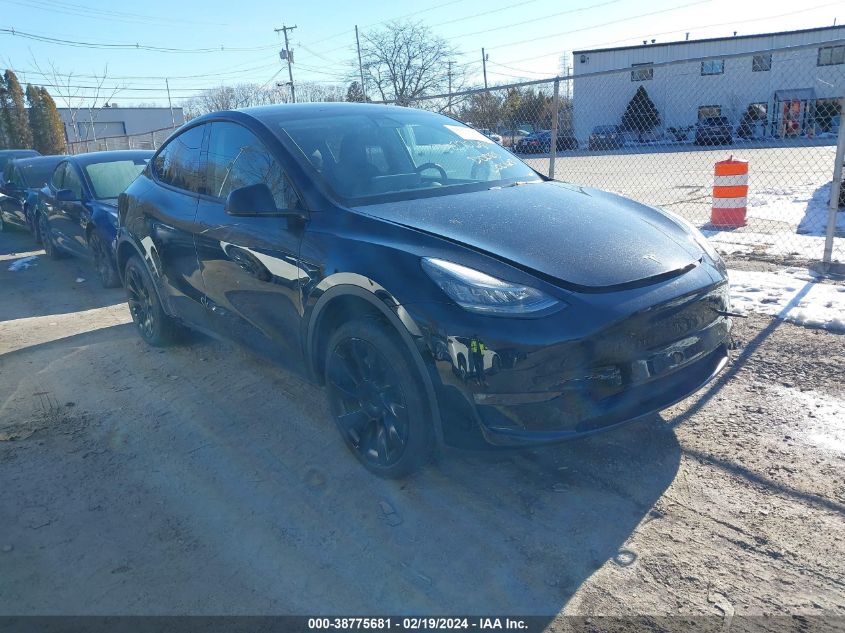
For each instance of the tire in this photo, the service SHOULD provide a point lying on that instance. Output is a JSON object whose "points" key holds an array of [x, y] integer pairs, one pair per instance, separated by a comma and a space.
{"points": [[47, 242], [377, 399], [103, 261], [151, 321]]}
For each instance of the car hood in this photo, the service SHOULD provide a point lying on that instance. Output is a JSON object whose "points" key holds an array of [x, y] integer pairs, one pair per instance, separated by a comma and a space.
{"points": [[584, 238]]}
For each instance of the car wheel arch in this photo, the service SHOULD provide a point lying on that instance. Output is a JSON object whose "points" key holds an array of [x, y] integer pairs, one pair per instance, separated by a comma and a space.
{"points": [[358, 302], [125, 250]]}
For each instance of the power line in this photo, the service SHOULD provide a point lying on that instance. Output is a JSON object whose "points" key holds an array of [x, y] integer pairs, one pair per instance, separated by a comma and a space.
{"points": [[125, 46], [706, 26], [98, 14]]}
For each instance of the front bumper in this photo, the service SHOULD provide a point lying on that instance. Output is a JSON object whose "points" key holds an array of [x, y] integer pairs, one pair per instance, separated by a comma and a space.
{"points": [[605, 360], [523, 425]]}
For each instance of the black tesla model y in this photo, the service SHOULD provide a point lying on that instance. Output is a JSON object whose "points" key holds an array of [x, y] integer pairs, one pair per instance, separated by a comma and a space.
{"points": [[440, 289]]}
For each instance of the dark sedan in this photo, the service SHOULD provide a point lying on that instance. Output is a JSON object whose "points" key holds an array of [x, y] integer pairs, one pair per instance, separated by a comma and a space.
{"points": [[458, 298], [7, 155], [22, 179], [541, 143], [606, 137], [716, 130], [77, 208]]}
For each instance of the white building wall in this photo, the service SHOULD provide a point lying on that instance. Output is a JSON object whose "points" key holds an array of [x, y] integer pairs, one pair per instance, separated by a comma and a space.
{"points": [[130, 120], [679, 89]]}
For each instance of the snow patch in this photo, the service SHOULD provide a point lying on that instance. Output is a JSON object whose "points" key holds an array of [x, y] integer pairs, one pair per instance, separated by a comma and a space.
{"points": [[23, 263], [792, 294]]}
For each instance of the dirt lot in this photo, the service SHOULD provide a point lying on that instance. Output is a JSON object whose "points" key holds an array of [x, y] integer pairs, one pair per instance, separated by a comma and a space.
{"points": [[199, 479]]}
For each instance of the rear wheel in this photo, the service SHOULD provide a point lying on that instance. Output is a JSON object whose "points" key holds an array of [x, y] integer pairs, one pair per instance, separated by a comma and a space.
{"points": [[377, 399], [103, 261], [50, 247], [152, 323]]}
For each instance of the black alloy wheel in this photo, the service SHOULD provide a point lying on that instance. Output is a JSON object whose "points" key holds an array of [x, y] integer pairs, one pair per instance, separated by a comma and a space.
{"points": [[376, 399], [47, 237], [103, 261], [154, 326]]}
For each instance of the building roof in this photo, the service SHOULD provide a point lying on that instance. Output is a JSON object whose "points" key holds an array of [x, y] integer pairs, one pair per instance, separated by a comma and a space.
{"points": [[711, 39]]}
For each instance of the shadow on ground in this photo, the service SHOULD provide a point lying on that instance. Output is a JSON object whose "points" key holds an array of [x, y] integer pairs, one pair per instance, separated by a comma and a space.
{"points": [[202, 480]]}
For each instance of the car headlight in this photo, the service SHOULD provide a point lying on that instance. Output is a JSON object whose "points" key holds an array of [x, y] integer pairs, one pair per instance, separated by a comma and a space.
{"points": [[478, 292]]}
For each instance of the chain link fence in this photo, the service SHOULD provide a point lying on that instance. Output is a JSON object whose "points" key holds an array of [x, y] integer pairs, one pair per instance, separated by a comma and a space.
{"points": [[147, 140], [655, 132]]}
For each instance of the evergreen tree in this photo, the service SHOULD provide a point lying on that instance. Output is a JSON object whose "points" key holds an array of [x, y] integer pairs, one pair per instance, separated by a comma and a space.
{"points": [[641, 115], [17, 120], [54, 128], [36, 118], [5, 113], [354, 93]]}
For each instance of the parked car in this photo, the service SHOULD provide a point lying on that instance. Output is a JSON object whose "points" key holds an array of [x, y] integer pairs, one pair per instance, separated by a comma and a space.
{"points": [[529, 144], [716, 130], [312, 234], [496, 138], [77, 208], [606, 137], [22, 179], [9, 154]]}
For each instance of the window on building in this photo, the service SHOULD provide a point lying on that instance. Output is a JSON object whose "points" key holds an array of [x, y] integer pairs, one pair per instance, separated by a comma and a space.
{"points": [[761, 63], [713, 67], [831, 55], [642, 72], [824, 111], [709, 111]]}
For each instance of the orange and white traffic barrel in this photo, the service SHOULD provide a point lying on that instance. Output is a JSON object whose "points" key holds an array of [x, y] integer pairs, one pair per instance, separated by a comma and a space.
{"points": [[730, 193]]}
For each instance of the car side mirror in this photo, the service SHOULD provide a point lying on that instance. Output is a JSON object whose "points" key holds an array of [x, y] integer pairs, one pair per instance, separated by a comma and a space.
{"points": [[255, 200], [66, 195]]}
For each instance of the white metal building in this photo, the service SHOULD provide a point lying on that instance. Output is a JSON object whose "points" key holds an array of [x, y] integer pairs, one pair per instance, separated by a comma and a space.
{"points": [[98, 123], [792, 84]]}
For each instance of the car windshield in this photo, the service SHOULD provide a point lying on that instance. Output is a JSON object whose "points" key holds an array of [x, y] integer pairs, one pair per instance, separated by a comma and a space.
{"points": [[109, 180], [37, 174], [369, 158]]}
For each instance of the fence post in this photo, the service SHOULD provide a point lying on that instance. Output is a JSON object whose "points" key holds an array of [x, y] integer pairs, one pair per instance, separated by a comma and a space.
{"points": [[835, 188], [153, 140], [553, 140]]}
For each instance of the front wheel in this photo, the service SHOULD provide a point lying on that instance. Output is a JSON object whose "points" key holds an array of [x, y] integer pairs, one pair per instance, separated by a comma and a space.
{"points": [[377, 399], [47, 242], [103, 261], [152, 323]]}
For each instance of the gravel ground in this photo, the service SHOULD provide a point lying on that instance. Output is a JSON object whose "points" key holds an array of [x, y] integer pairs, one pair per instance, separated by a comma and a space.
{"points": [[202, 480]]}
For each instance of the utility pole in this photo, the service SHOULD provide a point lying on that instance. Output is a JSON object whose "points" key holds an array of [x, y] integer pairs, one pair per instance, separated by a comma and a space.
{"points": [[170, 103], [484, 64], [285, 30], [360, 65], [449, 72]]}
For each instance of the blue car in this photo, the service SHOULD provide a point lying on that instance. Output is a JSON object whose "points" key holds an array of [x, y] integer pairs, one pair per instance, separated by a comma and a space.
{"points": [[77, 208], [22, 178]]}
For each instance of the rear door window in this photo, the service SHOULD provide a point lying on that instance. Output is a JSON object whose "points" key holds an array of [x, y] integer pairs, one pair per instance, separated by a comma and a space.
{"points": [[179, 163]]}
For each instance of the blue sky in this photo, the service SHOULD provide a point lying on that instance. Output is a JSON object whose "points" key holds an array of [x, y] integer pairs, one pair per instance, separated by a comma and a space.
{"points": [[525, 39]]}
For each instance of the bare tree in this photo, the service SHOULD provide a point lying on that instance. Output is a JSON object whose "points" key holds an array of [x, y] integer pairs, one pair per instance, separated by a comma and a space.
{"points": [[406, 61], [78, 99], [250, 94]]}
